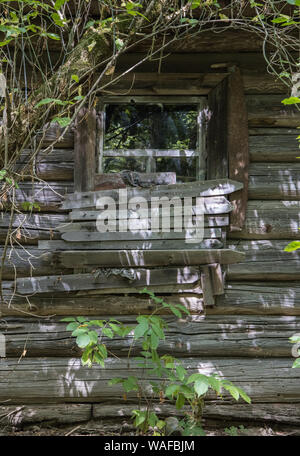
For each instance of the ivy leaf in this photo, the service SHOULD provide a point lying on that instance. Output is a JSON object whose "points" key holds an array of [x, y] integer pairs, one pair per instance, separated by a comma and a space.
{"points": [[62, 121]]}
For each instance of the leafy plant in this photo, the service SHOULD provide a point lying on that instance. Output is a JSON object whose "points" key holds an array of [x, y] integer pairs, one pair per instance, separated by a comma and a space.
{"points": [[174, 384], [233, 431]]}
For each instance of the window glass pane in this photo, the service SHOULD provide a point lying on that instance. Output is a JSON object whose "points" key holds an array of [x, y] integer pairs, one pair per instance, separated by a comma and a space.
{"points": [[154, 126]]}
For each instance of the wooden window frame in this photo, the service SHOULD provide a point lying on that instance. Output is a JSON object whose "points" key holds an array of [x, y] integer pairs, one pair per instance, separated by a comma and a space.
{"points": [[200, 150]]}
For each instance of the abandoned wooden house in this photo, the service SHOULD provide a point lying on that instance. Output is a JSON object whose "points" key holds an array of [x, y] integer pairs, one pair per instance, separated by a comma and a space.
{"points": [[205, 121]]}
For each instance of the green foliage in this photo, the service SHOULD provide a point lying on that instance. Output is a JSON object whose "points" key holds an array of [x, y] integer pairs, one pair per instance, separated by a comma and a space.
{"points": [[292, 246], [29, 206], [233, 431], [174, 384], [4, 176]]}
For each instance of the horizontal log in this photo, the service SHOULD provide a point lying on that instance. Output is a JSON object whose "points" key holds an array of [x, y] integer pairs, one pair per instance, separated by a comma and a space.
{"points": [[164, 244], [258, 298], [29, 228], [273, 131], [98, 280], [271, 220], [189, 235], [51, 135], [265, 260], [28, 261], [49, 165], [240, 336], [220, 410], [40, 380], [87, 304], [58, 414], [267, 110], [148, 258], [205, 189], [48, 195], [274, 148], [274, 181]]}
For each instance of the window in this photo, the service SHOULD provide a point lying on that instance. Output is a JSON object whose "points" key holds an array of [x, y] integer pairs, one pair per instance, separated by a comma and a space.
{"points": [[152, 135]]}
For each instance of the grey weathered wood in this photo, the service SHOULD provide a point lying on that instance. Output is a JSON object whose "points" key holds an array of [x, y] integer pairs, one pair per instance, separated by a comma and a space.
{"points": [[149, 153], [206, 285], [96, 280], [212, 188], [265, 260], [259, 298], [267, 110], [38, 380], [217, 153], [263, 131], [218, 410], [249, 336], [57, 414], [88, 304], [85, 150], [175, 244], [217, 279], [237, 146], [143, 235], [271, 220], [53, 133], [150, 258], [30, 228], [274, 148], [48, 195], [28, 261], [52, 165], [272, 188]]}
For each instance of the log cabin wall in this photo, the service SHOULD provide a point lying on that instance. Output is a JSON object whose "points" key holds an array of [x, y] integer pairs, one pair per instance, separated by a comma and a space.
{"points": [[244, 337]]}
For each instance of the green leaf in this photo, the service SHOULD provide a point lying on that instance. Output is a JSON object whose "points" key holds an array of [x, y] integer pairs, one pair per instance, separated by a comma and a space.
{"points": [[72, 326], [67, 318], [294, 2], [59, 3], [232, 390], [75, 78], [181, 372], [81, 319], [93, 336], [62, 121], [175, 311], [130, 384], [292, 246], [79, 332], [154, 341], [108, 333], [296, 363], [200, 387], [115, 380], [244, 395], [180, 401], [83, 340], [291, 100], [140, 329], [171, 390], [60, 22]]}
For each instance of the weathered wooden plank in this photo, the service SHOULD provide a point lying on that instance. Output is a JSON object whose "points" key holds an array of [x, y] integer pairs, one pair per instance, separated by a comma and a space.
{"points": [[176, 153], [164, 244], [166, 84], [213, 188], [259, 298], [85, 150], [220, 410], [206, 285], [274, 181], [217, 279], [274, 148], [28, 261], [271, 220], [88, 304], [29, 228], [217, 153], [267, 110], [265, 260], [48, 195], [52, 165], [57, 414], [249, 336], [189, 235], [148, 258], [237, 147], [102, 280], [38, 380], [273, 131], [51, 135]]}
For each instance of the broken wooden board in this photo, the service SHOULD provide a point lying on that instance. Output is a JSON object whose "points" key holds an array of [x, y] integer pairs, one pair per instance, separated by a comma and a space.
{"points": [[190, 189], [101, 279], [148, 258], [108, 181]]}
